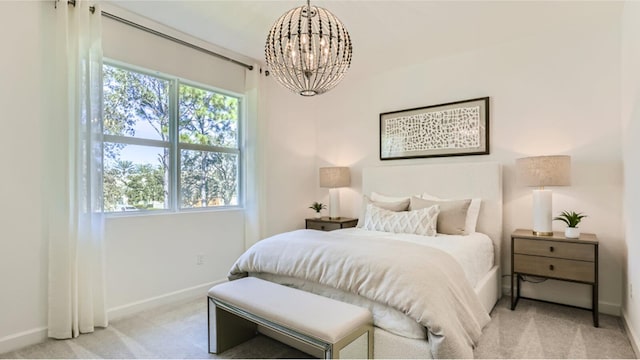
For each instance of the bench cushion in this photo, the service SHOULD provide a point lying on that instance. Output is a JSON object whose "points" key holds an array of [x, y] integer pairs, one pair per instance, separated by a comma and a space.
{"points": [[323, 318]]}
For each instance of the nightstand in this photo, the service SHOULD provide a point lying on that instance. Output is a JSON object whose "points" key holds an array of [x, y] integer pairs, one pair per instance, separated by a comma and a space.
{"points": [[327, 224], [555, 257]]}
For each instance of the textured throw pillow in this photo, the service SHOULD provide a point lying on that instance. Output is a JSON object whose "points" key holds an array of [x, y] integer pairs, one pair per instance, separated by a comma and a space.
{"points": [[402, 205], [453, 214], [472, 214], [420, 222]]}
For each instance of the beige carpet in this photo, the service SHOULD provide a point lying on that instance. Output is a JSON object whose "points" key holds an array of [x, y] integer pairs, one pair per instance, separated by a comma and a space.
{"points": [[533, 330], [537, 330]]}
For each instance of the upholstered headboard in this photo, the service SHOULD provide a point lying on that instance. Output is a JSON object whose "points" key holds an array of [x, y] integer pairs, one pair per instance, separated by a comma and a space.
{"points": [[454, 181]]}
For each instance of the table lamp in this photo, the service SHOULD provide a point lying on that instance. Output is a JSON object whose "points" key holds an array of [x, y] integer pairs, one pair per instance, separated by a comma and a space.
{"points": [[333, 178], [541, 171]]}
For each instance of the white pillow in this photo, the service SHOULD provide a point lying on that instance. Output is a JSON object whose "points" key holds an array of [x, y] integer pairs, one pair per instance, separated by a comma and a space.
{"points": [[401, 205], [472, 214], [379, 197], [420, 222]]}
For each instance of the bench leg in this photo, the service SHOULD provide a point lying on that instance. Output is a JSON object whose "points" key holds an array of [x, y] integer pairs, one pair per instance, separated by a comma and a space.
{"points": [[226, 330], [370, 348], [358, 345]]}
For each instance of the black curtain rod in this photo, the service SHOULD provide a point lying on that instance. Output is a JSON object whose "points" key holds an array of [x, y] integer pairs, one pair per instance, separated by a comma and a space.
{"points": [[165, 36]]}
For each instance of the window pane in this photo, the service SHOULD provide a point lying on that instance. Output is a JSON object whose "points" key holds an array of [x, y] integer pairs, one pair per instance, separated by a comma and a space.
{"points": [[135, 104], [208, 179], [207, 118], [135, 177]]}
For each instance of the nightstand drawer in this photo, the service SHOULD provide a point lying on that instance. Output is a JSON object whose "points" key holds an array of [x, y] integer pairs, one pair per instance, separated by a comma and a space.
{"points": [[328, 224], [556, 268], [325, 226], [556, 249]]}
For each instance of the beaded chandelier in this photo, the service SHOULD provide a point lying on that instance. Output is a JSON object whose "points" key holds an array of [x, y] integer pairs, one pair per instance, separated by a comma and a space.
{"points": [[308, 50]]}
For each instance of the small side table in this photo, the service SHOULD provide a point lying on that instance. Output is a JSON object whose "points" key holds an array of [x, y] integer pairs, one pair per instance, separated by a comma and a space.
{"points": [[555, 257], [328, 224]]}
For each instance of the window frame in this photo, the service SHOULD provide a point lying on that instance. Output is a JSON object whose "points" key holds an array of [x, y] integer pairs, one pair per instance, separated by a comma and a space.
{"points": [[174, 145]]}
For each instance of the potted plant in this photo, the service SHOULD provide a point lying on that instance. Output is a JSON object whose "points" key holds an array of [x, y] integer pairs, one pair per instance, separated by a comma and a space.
{"points": [[572, 219], [318, 206]]}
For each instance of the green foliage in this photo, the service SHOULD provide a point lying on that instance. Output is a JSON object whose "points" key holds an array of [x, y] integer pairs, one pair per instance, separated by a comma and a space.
{"points": [[207, 178], [571, 218], [140, 185], [207, 118], [317, 206]]}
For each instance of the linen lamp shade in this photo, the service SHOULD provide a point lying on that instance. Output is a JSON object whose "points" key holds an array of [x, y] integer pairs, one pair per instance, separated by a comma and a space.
{"points": [[333, 178], [541, 171]]}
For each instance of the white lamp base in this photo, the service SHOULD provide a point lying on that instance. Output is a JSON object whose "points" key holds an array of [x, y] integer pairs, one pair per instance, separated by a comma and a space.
{"points": [[334, 203], [542, 212]]}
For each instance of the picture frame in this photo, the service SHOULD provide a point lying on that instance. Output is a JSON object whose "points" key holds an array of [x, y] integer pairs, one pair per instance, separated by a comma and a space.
{"points": [[457, 128]]}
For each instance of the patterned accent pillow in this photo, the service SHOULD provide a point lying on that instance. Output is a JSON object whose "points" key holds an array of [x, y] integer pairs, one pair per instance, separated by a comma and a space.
{"points": [[420, 222], [402, 205]]}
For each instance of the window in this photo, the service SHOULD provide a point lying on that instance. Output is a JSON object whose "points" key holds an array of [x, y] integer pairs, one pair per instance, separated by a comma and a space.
{"points": [[168, 144]]}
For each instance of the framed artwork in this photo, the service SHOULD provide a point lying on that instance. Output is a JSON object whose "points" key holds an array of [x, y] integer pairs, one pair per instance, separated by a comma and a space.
{"points": [[452, 129]]}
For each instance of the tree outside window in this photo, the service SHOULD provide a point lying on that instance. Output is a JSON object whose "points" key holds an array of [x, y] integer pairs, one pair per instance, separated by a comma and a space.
{"points": [[142, 137]]}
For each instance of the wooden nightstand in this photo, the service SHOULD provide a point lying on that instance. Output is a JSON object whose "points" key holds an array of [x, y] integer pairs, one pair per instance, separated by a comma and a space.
{"points": [[555, 257], [327, 224]]}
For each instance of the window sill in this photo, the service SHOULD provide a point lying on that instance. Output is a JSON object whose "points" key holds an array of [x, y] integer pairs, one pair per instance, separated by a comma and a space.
{"points": [[145, 213]]}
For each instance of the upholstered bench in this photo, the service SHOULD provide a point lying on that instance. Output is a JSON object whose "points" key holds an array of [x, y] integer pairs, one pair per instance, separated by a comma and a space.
{"points": [[319, 326]]}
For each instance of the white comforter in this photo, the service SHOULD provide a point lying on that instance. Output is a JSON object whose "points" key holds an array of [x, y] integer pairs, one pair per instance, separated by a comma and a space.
{"points": [[422, 282], [474, 252]]}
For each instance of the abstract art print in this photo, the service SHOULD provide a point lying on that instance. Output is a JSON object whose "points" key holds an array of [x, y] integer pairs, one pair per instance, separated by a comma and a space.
{"points": [[451, 129]]}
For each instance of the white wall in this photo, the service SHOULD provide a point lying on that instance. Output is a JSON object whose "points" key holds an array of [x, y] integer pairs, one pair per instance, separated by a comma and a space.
{"points": [[23, 248], [630, 75], [290, 159], [554, 93], [151, 256]]}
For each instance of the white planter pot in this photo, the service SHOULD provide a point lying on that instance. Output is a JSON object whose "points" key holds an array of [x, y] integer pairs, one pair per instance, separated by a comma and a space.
{"points": [[572, 233], [318, 215]]}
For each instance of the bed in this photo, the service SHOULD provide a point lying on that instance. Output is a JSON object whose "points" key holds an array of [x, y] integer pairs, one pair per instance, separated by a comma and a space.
{"points": [[399, 276]]}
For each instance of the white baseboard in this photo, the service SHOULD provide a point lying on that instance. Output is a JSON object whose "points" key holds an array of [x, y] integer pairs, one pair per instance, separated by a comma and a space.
{"points": [[22, 339], [633, 337], [184, 294], [609, 308], [603, 306], [38, 335]]}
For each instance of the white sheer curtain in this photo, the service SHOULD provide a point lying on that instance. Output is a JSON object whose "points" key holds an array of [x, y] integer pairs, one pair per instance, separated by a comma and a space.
{"points": [[255, 165], [76, 222]]}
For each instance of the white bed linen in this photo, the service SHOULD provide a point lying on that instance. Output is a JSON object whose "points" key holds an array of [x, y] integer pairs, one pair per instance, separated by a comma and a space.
{"points": [[474, 252], [384, 316], [424, 282]]}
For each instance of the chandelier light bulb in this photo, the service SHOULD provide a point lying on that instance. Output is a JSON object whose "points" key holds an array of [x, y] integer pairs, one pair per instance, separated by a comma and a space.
{"points": [[308, 50]]}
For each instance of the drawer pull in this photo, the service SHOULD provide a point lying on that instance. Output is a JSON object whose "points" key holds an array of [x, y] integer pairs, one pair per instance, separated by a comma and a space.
{"points": [[322, 227], [551, 248], [551, 267]]}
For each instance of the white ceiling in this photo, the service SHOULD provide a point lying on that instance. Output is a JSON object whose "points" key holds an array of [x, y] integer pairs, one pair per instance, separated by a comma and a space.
{"points": [[385, 34]]}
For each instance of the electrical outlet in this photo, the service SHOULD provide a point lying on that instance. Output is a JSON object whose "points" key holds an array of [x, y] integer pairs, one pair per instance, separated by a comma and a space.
{"points": [[199, 259]]}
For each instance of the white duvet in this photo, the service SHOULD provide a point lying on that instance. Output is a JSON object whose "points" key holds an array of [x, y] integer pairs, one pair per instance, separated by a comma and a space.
{"points": [[474, 252], [421, 282]]}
